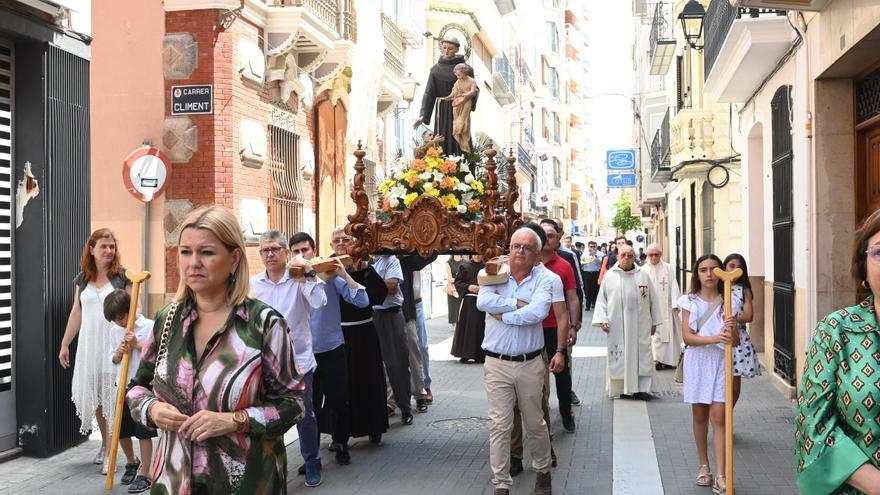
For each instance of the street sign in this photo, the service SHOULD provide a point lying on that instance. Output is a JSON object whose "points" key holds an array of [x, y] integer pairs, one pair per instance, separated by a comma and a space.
{"points": [[196, 99], [621, 180], [145, 173], [620, 160]]}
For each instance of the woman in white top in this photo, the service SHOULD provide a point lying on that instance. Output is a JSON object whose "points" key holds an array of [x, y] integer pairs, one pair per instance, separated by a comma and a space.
{"points": [[706, 333], [93, 388]]}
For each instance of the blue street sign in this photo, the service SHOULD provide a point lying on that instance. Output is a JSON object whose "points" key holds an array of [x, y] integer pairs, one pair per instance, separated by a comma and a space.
{"points": [[620, 160], [621, 180]]}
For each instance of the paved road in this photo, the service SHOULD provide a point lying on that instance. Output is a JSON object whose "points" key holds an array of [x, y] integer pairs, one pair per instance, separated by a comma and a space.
{"points": [[446, 451]]}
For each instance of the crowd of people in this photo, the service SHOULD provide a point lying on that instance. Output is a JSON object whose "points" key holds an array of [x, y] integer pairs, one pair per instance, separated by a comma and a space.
{"points": [[235, 360]]}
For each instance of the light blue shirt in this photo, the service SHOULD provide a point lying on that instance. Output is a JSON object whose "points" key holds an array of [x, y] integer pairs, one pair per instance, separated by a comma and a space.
{"points": [[326, 321], [520, 331], [291, 298], [388, 267]]}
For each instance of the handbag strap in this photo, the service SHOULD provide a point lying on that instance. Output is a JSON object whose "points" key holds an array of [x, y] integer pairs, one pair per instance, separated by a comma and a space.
{"points": [[708, 314], [166, 329]]}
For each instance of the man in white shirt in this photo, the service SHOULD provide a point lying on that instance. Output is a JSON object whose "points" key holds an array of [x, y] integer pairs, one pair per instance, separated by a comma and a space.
{"points": [[514, 372], [293, 299]]}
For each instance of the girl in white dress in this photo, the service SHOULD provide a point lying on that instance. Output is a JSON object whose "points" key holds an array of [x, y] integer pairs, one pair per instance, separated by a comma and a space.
{"points": [[745, 358], [92, 390], [704, 363]]}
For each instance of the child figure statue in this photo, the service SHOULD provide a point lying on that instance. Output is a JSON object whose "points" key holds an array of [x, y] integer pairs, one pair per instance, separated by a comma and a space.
{"points": [[462, 95]]}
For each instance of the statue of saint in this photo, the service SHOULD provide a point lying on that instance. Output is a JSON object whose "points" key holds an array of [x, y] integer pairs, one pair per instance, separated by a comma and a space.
{"points": [[440, 83]]}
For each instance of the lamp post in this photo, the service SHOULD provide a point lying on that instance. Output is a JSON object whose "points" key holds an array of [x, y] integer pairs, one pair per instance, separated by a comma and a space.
{"points": [[409, 88], [691, 17]]}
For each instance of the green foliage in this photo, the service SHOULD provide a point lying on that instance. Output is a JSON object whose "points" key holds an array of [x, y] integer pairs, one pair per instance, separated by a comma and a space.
{"points": [[623, 220]]}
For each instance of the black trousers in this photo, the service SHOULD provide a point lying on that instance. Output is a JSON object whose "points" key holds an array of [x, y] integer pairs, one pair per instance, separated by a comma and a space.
{"points": [[330, 392], [563, 378], [591, 283]]}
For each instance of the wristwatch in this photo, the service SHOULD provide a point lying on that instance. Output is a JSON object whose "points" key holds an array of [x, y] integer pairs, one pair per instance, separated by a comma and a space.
{"points": [[561, 349], [310, 273], [241, 420]]}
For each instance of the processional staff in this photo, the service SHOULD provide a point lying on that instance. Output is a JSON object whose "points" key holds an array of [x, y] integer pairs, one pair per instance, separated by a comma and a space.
{"points": [[728, 278]]}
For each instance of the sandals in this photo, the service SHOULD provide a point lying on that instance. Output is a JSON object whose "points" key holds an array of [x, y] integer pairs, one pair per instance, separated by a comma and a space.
{"points": [[704, 476], [720, 485]]}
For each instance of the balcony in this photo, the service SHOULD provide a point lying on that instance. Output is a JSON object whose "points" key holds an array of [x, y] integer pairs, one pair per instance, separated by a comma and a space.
{"points": [[660, 154], [503, 81], [305, 36], [662, 41], [391, 87], [691, 142], [742, 47], [530, 135], [524, 165]]}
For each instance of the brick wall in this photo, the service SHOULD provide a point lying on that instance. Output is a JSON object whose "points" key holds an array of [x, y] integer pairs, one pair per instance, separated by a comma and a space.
{"points": [[215, 174]]}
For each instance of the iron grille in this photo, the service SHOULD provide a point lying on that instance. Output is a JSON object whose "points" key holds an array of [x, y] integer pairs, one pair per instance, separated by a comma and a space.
{"points": [[6, 231], [682, 88], [660, 147], [68, 213], [720, 16], [868, 97], [783, 236], [286, 206], [708, 199]]}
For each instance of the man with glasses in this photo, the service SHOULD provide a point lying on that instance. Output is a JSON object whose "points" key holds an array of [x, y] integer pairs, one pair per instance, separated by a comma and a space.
{"points": [[666, 341], [366, 375], [513, 371], [293, 298], [628, 310], [330, 393]]}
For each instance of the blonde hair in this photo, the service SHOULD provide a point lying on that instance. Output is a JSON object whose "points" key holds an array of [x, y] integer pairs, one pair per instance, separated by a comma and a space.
{"points": [[223, 224]]}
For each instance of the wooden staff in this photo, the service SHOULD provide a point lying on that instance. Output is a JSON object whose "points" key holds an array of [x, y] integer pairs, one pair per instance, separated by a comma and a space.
{"points": [[136, 280], [728, 278]]}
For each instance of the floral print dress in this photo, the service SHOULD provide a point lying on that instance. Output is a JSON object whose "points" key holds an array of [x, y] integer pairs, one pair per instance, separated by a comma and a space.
{"points": [[247, 365]]}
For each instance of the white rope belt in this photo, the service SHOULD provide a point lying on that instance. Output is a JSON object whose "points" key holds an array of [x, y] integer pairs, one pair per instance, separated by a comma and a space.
{"points": [[355, 323], [472, 295]]}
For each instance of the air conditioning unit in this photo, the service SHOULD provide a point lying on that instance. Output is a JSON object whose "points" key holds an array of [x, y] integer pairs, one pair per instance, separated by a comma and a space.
{"points": [[813, 5]]}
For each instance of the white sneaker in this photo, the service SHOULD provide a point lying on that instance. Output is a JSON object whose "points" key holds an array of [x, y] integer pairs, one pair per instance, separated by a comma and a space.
{"points": [[99, 457], [106, 464]]}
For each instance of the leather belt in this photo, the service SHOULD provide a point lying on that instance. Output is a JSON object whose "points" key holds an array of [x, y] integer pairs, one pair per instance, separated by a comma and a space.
{"points": [[355, 323], [520, 357], [393, 309]]}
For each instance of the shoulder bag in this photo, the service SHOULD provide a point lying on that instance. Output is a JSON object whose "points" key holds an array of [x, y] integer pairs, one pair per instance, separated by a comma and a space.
{"points": [[678, 377]]}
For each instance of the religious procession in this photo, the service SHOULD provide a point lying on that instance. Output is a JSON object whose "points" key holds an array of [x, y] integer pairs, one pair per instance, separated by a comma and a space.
{"points": [[359, 247]]}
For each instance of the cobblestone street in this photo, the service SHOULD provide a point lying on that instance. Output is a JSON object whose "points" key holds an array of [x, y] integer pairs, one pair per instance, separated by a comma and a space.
{"points": [[446, 451]]}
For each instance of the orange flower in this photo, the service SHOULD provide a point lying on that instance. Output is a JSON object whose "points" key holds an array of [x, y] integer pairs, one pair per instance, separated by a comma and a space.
{"points": [[433, 151], [473, 205], [415, 179], [449, 167], [446, 183], [418, 165], [386, 205]]}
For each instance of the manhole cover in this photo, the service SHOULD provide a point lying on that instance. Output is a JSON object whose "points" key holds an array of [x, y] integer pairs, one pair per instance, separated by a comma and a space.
{"points": [[462, 424]]}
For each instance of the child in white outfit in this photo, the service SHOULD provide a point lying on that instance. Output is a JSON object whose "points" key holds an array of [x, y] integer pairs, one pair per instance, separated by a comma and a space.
{"points": [[116, 308]]}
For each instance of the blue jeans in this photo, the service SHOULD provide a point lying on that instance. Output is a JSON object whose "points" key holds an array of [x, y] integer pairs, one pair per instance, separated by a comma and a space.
{"points": [[423, 342], [309, 438]]}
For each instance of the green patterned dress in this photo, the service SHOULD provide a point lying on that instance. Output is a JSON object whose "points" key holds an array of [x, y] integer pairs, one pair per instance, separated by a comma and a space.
{"points": [[838, 420]]}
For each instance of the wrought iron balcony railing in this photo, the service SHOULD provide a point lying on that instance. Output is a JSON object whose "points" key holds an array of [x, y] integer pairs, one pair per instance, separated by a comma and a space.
{"points": [[720, 16], [502, 67], [662, 41], [326, 10], [524, 160], [660, 152]]}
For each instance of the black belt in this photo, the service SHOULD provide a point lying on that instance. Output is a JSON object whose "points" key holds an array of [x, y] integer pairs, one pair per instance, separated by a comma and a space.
{"points": [[519, 357], [389, 310]]}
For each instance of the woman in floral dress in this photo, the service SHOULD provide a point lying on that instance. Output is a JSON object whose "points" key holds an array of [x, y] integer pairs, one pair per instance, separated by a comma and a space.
{"points": [[224, 387], [745, 358]]}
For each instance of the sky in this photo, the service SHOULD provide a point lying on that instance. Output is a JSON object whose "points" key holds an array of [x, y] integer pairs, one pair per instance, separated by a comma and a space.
{"points": [[610, 53]]}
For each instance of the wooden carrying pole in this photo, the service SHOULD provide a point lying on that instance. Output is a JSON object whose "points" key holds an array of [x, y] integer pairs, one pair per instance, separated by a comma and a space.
{"points": [[728, 278], [136, 280]]}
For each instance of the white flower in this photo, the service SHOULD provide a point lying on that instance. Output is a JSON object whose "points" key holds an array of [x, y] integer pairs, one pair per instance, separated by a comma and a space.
{"points": [[463, 167], [438, 176], [428, 186], [396, 192], [462, 209], [462, 187], [425, 176], [469, 178], [467, 197]]}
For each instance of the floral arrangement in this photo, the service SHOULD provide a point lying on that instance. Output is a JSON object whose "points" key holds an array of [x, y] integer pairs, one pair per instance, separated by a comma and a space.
{"points": [[450, 179]]}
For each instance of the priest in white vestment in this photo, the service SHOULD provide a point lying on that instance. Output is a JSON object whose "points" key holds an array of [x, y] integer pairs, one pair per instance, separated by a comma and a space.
{"points": [[666, 340], [628, 310]]}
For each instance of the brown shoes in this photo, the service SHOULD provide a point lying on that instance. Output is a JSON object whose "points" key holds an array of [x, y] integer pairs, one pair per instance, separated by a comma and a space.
{"points": [[542, 484]]}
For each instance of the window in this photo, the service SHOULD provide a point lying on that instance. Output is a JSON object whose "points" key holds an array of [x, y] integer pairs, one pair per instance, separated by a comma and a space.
{"points": [[286, 203], [556, 127], [708, 216], [557, 173], [552, 37], [545, 128], [552, 82]]}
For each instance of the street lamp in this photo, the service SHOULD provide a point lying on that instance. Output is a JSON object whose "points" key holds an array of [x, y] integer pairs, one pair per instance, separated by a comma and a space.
{"points": [[409, 88], [691, 17]]}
